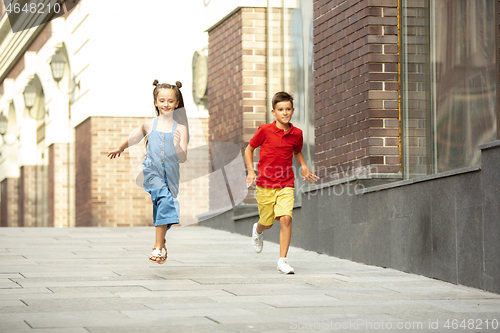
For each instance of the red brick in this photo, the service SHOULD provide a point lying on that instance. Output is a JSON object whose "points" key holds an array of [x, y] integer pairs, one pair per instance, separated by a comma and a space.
{"points": [[391, 142]]}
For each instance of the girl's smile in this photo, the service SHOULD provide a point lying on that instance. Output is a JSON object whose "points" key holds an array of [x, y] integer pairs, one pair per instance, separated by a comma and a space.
{"points": [[166, 101]]}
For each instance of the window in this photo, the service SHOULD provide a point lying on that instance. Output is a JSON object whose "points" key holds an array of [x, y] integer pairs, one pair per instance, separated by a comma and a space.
{"points": [[448, 83]]}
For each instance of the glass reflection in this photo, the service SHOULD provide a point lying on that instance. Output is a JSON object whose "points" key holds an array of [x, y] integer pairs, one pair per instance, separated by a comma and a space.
{"points": [[448, 83]]}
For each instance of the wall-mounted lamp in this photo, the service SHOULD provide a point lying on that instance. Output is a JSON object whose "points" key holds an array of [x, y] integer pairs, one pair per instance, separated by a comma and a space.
{"points": [[57, 65], [30, 94], [3, 130]]}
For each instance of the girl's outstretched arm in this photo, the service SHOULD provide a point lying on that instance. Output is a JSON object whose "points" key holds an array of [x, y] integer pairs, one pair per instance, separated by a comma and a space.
{"points": [[134, 138], [180, 143]]}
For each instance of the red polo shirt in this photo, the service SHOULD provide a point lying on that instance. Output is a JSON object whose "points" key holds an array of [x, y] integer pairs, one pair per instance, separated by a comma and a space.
{"points": [[276, 154]]}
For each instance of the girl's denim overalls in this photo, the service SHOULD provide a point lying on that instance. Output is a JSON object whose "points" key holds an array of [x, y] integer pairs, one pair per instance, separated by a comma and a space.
{"points": [[161, 176]]}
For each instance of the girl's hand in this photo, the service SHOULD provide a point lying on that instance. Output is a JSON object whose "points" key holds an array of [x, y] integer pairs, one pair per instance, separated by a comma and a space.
{"points": [[177, 138], [307, 174], [115, 153]]}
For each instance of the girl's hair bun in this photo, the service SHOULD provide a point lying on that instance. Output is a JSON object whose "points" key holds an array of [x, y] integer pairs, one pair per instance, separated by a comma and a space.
{"points": [[155, 82], [178, 84]]}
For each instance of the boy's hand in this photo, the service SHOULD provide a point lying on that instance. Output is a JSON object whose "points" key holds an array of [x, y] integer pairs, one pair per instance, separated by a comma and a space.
{"points": [[115, 153], [251, 178], [308, 174]]}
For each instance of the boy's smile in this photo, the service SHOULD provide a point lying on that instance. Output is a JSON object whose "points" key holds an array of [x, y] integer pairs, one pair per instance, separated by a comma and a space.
{"points": [[283, 112]]}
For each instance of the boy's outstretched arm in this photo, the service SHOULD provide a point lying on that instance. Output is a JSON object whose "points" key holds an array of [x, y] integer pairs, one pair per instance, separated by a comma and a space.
{"points": [[304, 170], [132, 140], [251, 176]]}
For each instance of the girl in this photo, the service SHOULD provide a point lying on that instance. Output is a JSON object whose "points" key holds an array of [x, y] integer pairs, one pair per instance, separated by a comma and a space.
{"points": [[167, 137]]}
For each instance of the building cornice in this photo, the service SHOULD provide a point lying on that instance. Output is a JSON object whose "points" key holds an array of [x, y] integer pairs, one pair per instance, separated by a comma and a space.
{"points": [[14, 45]]}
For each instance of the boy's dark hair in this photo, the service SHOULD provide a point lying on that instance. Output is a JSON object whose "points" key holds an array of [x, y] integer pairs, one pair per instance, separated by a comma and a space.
{"points": [[282, 97]]}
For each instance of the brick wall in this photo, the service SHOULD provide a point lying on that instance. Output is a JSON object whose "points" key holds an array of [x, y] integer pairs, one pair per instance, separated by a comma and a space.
{"points": [[58, 185], [42, 195], [83, 174], [105, 190], [253, 70], [9, 203], [356, 86], [236, 82], [27, 196]]}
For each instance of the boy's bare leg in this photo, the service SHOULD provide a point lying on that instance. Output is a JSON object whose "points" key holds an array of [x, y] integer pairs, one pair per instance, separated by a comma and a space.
{"points": [[257, 236], [285, 234], [261, 228]]}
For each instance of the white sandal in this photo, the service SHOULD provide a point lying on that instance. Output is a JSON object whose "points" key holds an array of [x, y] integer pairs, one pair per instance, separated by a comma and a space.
{"points": [[159, 253]]}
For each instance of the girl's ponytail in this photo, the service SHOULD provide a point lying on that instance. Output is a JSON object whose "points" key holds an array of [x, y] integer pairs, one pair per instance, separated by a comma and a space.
{"points": [[178, 84]]}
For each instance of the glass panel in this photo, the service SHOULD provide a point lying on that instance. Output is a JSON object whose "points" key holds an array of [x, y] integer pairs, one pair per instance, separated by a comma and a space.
{"points": [[464, 79], [415, 88], [448, 76]]}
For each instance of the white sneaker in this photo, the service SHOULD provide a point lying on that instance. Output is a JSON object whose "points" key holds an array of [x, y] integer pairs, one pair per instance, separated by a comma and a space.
{"points": [[257, 239], [283, 266]]}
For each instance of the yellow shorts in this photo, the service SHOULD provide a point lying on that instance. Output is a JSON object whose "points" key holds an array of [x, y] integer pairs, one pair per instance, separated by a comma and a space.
{"points": [[274, 203]]}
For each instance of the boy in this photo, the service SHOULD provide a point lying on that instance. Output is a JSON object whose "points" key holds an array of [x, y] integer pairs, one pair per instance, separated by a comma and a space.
{"points": [[278, 142]]}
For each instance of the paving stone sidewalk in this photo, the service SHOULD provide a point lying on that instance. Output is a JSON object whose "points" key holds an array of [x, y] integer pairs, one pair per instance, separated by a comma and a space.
{"points": [[100, 280]]}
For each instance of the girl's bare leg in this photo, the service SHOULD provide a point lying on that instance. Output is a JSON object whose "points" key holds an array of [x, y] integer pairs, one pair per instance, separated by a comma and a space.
{"points": [[160, 231]]}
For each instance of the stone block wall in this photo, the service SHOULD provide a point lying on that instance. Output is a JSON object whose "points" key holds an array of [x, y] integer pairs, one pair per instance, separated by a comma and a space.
{"points": [[498, 57], [356, 87]]}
